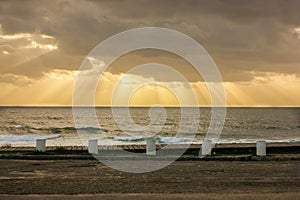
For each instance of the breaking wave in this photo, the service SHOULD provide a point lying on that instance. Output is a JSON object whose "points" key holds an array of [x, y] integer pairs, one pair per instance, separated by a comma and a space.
{"points": [[25, 138]]}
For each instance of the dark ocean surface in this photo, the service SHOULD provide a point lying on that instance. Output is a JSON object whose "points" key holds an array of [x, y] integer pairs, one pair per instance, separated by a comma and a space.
{"points": [[21, 126]]}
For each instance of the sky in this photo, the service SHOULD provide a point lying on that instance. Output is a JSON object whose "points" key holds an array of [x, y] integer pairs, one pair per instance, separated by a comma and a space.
{"points": [[255, 44]]}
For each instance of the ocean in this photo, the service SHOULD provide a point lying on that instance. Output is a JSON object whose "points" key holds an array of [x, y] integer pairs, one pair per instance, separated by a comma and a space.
{"points": [[21, 126]]}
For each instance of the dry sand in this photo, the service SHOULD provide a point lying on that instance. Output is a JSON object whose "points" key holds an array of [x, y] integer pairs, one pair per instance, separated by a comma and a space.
{"points": [[52, 179]]}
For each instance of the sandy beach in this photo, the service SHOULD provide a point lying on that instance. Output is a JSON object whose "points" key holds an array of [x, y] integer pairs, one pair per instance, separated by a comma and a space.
{"points": [[89, 179]]}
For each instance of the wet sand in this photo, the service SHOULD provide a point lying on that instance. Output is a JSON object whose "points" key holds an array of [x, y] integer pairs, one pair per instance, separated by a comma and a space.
{"points": [[34, 179]]}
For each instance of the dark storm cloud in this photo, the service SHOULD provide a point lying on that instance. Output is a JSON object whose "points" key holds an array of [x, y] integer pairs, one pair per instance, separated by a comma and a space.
{"points": [[242, 36]]}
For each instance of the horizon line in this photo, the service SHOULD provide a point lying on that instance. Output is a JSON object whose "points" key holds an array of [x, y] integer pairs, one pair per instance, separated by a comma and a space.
{"points": [[144, 106]]}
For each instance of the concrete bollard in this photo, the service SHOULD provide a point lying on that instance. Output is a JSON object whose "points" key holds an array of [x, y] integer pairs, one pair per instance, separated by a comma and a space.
{"points": [[41, 145], [150, 146], [93, 147], [206, 147], [261, 148]]}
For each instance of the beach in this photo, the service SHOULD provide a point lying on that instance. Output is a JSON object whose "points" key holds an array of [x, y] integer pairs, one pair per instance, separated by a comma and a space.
{"points": [[232, 172], [67, 171], [89, 179]]}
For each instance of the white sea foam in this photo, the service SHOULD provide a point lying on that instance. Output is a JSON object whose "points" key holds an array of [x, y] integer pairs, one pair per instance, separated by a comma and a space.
{"points": [[245, 141], [56, 140], [128, 139], [162, 140], [175, 140], [25, 138]]}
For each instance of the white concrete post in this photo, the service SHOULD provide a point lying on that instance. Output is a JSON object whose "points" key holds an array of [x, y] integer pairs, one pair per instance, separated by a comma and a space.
{"points": [[41, 145], [93, 147], [206, 147], [150, 146], [261, 148]]}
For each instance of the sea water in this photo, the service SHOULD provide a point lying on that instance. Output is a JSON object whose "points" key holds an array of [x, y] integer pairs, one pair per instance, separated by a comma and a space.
{"points": [[21, 126]]}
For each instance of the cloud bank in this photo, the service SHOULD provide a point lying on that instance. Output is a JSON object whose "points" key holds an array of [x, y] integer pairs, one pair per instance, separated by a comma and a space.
{"points": [[250, 41]]}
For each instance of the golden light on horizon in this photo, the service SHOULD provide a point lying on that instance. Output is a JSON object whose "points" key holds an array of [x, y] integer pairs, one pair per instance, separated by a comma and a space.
{"points": [[56, 88], [153, 94]]}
